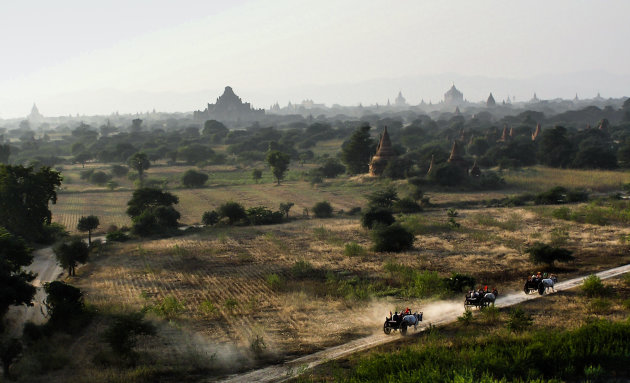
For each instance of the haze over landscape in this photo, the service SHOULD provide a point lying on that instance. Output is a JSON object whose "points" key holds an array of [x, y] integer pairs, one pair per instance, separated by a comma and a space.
{"points": [[70, 57]]}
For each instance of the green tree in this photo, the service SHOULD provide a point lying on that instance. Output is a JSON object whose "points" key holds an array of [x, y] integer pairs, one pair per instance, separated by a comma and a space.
{"points": [[140, 162], [194, 178], [210, 217], [357, 150], [541, 253], [393, 238], [122, 334], [216, 129], [24, 197], [554, 148], [233, 211], [376, 215], [322, 209], [152, 211], [15, 282], [88, 224], [332, 168], [194, 153], [383, 198], [256, 175], [64, 304], [279, 163], [70, 253], [83, 157], [119, 170], [285, 207]]}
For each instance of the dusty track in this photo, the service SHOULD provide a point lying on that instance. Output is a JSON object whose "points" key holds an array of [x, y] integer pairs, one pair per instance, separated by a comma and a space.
{"points": [[293, 368]]}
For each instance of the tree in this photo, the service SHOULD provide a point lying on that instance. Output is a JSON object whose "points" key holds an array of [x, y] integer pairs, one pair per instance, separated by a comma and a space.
{"points": [[140, 163], [5, 152], [15, 282], [210, 218], [24, 197], [152, 211], [99, 178], [194, 178], [554, 148], [123, 333], [69, 254], [332, 168], [256, 175], [383, 198], [216, 129], [119, 170], [194, 153], [148, 198], [356, 152], [64, 304], [83, 157], [322, 209], [376, 215], [540, 253], [88, 224], [394, 238], [285, 207], [233, 211], [279, 163]]}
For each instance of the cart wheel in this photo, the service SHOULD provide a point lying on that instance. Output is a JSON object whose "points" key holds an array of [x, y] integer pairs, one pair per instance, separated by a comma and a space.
{"points": [[526, 289], [541, 288], [403, 329]]}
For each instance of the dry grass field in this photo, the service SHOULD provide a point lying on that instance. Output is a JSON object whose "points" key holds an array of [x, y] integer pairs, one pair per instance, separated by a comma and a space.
{"points": [[230, 286]]}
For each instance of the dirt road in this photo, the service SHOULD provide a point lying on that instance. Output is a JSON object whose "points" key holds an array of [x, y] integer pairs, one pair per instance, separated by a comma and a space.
{"points": [[47, 270], [447, 311]]}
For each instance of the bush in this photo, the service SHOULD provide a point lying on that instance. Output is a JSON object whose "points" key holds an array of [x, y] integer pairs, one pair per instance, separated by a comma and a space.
{"points": [[167, 308], [194, 179], [577, 196], [466, 318], [353, 249], [394, 238], [260, 215], [116, 236], [233, 211], [593, 287], [600, 306], [407, 206], [377, 216], [459, 282], [274, 281], [322, 210], [519, 320], [210, 218], [552, 196], [301, 269], [119, 170], [122, 334], [541, 253], [99, 178], [64, 304]]}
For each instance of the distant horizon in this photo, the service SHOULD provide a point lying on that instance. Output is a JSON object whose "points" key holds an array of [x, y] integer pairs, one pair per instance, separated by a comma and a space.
{"points": [[73, 57], [185, 99]]}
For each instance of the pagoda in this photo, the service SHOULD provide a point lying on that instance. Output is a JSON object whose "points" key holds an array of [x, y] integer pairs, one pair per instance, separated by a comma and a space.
{"points": [[384, 153], [456, 156]]}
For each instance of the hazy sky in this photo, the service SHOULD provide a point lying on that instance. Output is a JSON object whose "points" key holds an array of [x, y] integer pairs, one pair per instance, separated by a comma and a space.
{"points": [[77, 56]]}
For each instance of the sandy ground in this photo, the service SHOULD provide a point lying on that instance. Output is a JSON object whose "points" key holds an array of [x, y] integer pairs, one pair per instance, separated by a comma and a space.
{"points": [[437, 313]]}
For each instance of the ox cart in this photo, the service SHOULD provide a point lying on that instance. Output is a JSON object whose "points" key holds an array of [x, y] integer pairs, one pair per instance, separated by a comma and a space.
{"points": [[540, 283], [480, 298], [401, 322]]}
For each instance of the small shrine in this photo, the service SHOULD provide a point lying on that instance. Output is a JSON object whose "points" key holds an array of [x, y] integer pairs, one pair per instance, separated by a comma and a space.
{"points": [[384, 153]]}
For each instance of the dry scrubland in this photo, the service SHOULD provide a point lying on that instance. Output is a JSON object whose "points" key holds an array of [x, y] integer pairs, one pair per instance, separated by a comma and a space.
{"points": [[215, 286], [220, 294]]}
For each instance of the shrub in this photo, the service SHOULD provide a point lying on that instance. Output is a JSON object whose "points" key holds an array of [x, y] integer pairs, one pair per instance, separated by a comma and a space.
{"points": [[274, 281], [592, 286], [394, 238], [210, 218], [600, 306], [233, 211], [119, 170], [194, 179], [168, 308], [407, 206], [260, 215], [258, 346], [301, 269], [122, 334], [459, 282], [466, 318], [99, 178], [377, 215], [562, 213], [551, 196], [116, 236], [383, 198], [541, 253], [353, 249], [322, 210], [519, 320], [577, 196]]}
